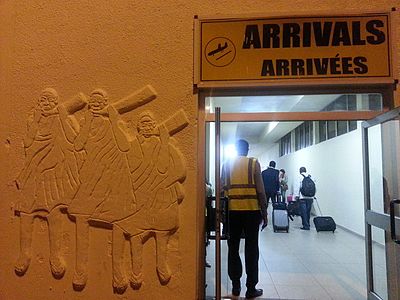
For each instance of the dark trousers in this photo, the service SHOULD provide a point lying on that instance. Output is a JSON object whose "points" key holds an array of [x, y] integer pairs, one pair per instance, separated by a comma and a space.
{"points": [[247, 222], [305, 210], [271, 196]]}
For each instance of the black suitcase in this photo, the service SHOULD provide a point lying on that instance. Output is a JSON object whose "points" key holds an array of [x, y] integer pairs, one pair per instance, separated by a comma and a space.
{"points": [[293, 209], [324, 223]]}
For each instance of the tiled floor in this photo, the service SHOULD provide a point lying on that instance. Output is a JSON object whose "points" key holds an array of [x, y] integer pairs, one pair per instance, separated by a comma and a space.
{"points": [[302, 265]]}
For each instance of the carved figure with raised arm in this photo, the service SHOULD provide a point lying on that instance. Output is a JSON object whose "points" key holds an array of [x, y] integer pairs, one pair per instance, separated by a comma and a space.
{"points": [[105, 193], [49, 178], [157, 172]]}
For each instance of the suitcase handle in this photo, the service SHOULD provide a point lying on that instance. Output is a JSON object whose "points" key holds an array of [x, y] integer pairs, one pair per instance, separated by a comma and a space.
{"points": [[393, 220], [319, 208]]}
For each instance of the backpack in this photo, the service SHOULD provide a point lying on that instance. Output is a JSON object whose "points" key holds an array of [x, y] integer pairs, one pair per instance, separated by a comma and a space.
{"points": [[307, 187]]}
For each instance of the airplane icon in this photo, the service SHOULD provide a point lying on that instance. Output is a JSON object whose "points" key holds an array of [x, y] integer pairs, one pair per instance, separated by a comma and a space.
{"points": [[219, 49]]}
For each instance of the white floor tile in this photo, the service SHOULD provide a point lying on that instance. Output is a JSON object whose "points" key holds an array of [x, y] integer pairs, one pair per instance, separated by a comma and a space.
{"points": [[294, 279], [302, 265], [302, 292]]}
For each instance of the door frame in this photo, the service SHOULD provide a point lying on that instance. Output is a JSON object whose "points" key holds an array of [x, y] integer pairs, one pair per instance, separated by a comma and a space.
{"points": [[380, 220], [388, 102]]}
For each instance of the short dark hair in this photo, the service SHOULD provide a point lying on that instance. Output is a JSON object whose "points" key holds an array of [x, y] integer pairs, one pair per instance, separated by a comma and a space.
{"points": [[242, 147], [272, 164], [303, 170]]}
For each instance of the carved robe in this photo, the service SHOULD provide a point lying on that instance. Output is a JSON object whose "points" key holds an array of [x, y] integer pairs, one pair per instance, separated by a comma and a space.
{"points": [[105, 193], [50, 174], [157, 179]]}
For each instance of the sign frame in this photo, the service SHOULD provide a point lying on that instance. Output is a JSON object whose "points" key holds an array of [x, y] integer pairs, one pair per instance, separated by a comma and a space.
{"points": [[277, 82]]}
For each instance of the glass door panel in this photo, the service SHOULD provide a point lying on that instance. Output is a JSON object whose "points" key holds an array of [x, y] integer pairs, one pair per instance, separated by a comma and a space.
{"points": [[382, 175], [379, 262]]}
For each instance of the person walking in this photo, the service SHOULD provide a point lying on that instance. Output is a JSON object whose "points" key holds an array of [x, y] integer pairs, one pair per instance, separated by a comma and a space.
{"points": [[242, 183], [305, 194], [270, 177]]}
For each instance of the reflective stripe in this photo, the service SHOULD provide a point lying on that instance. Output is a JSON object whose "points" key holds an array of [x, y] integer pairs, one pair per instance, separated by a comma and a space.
{"points": [[242, 186], [249, 204], [252, 167], [243, 197]]}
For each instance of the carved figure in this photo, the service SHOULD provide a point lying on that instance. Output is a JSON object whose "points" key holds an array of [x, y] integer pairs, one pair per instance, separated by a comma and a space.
{"points": [[97, 172], [49, 177], [157, 172], [106, 193]]}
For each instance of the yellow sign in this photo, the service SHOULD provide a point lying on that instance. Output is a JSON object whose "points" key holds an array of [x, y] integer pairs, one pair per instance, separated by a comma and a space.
{"points": [[295, 48]]}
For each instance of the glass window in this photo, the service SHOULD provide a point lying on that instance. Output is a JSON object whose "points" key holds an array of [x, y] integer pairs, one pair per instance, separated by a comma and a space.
{"points": [[295, 103], [375, 102], [331, 129], [339, 104], [322, 130], [297, 138], [285, 145], [352, 102], [352, 125], [308, 132], [304, 135], [341, 127]]}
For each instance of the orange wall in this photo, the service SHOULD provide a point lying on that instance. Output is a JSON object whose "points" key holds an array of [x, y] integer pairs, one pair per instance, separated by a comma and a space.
{"points": [[119, 46]]}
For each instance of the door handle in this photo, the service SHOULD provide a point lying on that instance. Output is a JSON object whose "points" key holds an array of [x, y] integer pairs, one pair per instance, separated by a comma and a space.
{"points": [[393, 220]]}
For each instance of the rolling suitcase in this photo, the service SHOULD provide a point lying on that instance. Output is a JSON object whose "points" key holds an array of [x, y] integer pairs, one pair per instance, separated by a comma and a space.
{"points": [[324, 223], [280, 218]]}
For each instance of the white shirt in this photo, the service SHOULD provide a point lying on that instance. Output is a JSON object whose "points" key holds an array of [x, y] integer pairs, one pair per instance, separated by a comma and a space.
{"points": [[297, 186]]}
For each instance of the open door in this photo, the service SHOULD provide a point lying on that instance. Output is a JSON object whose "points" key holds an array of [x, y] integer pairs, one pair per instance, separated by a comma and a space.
{"points": [[283, 124], [381, 150]]}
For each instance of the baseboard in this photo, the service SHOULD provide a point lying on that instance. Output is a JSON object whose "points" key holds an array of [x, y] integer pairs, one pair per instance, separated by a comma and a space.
{"points": [[356, 234]]}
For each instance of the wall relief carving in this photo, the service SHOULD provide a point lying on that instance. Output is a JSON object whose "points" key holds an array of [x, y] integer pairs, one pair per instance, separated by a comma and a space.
{"points": [[96, 171]]}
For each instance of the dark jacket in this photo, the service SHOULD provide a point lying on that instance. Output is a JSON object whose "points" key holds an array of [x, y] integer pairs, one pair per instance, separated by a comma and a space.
{"points": [[270, 178]]}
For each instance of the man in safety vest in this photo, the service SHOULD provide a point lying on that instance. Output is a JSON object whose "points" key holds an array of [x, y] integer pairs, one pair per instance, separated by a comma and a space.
{"points": [[242, 183]]}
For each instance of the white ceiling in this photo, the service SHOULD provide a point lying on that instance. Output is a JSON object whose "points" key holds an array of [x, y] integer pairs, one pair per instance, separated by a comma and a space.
{"points": [[263, 135]]}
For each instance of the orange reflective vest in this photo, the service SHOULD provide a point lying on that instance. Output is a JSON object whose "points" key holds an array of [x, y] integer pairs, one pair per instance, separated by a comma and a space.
{"points": [[239, 185]]}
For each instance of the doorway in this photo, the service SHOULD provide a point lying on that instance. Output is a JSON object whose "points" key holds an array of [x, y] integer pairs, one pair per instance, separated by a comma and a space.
{"points": [[296, 128]]}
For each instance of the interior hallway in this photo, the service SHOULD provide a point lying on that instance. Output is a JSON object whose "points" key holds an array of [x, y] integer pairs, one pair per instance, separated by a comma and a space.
{"points": [[305, 265]]}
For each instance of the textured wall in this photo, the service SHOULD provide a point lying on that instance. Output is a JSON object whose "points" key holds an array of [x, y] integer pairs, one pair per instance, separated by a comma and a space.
{"points": [[119, 46]]}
